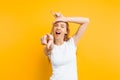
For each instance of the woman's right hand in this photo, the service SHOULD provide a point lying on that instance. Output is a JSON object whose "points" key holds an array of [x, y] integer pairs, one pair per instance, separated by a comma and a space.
{"points": [[47, 40]]}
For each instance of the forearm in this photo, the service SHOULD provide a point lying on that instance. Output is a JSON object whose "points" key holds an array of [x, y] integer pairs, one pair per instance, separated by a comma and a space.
{"points": [[79, 20], [83, 25], [48, 51]]}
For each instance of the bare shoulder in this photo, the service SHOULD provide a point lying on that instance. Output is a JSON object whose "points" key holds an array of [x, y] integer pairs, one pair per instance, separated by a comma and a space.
{"points": [[75, 40]]}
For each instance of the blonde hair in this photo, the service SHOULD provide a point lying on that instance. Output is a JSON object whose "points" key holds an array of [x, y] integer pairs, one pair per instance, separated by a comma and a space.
{"points": [[66, 37]]}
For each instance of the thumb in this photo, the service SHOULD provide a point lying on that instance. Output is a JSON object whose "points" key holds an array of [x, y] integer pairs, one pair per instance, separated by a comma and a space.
{"points": [[49, 36], [49, 44]]}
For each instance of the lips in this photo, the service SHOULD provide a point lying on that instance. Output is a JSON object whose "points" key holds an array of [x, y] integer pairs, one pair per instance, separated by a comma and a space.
{"points": [[58, 32]]}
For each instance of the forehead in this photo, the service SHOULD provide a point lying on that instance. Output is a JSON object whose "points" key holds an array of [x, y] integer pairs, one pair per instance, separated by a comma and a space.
{"points": [[60, 23]]}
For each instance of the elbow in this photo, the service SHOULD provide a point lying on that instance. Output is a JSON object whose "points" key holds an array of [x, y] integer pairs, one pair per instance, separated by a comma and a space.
{"points": [[87, 20]]}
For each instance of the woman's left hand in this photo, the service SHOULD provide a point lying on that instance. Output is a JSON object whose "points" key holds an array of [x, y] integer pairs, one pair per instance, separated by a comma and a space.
{"points": [[59, 17], [57, 14], [64, 19]]}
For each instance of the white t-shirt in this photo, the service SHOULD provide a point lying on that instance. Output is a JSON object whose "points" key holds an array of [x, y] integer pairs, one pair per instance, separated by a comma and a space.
{"points": [[63, 60]]}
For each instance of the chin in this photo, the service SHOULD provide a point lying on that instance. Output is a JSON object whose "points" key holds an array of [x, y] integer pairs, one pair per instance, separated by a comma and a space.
{"points": [[57, 37]]}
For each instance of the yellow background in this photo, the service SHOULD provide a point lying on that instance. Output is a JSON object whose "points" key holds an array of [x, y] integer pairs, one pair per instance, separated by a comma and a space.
{"points": [[23, 22]]}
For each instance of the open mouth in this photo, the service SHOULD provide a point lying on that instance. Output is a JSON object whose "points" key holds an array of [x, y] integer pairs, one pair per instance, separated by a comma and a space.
{"points": [[57, 32]]}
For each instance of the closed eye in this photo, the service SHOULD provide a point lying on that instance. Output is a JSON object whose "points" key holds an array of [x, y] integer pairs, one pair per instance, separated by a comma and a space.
{"points": [[62, 26], [56, 25]]}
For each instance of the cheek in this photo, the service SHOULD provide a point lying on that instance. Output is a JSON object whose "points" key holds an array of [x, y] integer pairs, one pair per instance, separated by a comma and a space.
{"points": [[65, 30]]}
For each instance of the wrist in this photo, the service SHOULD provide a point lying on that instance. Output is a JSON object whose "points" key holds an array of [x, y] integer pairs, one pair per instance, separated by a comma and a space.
{"points": [[68, 19]]}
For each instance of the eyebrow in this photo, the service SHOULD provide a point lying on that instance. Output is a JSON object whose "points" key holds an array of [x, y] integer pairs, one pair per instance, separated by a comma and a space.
{"points": [[60, 24]]}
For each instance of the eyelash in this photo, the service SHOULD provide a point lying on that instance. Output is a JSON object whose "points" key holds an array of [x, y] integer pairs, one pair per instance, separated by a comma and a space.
{"points": [[55, 25], [61, 26]]}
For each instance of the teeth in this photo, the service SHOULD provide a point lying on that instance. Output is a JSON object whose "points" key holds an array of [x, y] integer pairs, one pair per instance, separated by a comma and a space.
{"points": [[57, 32]]}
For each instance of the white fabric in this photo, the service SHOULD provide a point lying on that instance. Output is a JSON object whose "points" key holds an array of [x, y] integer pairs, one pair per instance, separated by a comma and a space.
{"points": [[63, 60]]}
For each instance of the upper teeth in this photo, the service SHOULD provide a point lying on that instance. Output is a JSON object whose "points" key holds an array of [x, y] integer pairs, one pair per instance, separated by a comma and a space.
{"points": [[57, 32]]}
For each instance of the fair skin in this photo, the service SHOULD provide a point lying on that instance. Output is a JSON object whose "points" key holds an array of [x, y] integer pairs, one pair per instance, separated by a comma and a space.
{"points": [[59, 31]]}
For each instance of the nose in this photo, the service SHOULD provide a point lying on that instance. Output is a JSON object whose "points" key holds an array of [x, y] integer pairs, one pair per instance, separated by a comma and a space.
{"points": [[58, 27]]}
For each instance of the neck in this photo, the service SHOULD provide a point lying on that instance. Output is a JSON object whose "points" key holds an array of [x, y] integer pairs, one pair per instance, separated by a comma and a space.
{"points": [[59, 41]]}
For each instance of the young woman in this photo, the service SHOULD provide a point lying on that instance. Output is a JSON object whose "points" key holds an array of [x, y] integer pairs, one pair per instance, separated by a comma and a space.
{"points": [[60, 49]]}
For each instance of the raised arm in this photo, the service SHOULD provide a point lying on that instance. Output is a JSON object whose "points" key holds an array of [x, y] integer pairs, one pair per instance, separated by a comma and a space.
{"points": [[83, 25], [79, 20]]}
